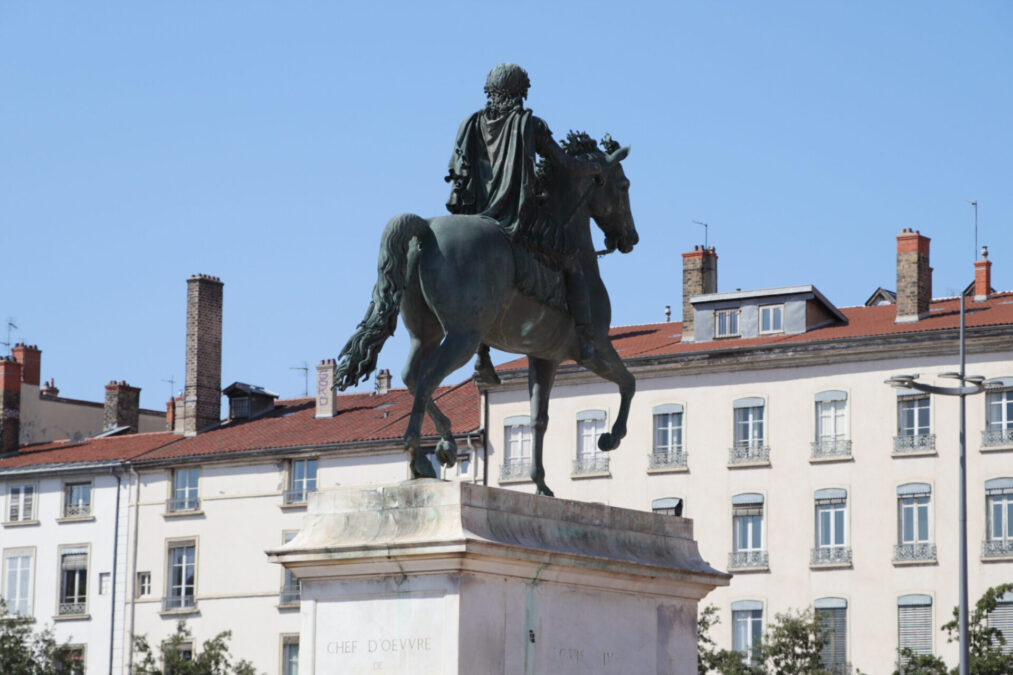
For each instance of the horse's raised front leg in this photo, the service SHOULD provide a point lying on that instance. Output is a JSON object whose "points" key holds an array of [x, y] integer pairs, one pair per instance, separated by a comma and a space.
{"points": [[609, 366], [455, 351], [541, 375]]}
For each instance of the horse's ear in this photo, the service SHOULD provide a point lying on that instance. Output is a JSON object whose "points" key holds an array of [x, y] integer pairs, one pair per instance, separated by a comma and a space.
{"points": [[619, 155]]}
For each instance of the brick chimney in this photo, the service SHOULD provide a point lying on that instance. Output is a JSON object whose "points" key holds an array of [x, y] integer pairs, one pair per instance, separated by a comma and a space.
{"points": [[49, 388], [327, 400], [982, 276], [382, 381], [914, 276], [170, 414], [122, 408], [10, 404], [203, 394], [30, 358], [699, 277]]}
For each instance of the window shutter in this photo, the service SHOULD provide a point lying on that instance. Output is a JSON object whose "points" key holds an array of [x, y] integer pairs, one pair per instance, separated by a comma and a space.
{"points": [[75, 559], [914, 624], [834, 615], [1002, 618]]}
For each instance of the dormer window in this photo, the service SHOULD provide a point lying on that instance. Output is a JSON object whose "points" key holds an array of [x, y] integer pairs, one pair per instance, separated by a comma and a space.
{"points": [[247, 401], [240, 408], [772, 319], [726, 323]]}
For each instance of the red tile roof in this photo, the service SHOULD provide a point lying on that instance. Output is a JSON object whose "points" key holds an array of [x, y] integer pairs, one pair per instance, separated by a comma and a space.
{"points": [[664, 339], [360, 418]]}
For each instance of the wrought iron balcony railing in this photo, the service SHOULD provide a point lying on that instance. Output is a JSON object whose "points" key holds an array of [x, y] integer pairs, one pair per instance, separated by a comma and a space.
{"points": [[514, 469], [831, 555], [297, 495], [70, 608], [748, 453], [181, 504], [827, 448], [914, 552], [997, 548], [993, 438], [76, 510], [744, 560], [596, 463], [290, 595], [916, 443], [666, 459], [177, 602]]}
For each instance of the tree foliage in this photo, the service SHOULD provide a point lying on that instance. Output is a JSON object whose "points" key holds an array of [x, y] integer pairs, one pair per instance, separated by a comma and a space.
{"points": [[25, 652], [176, 658], [792, 644]]}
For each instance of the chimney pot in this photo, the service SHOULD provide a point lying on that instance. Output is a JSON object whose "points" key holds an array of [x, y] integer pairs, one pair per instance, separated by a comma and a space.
{"points": [[382, 381], [699, 277]]}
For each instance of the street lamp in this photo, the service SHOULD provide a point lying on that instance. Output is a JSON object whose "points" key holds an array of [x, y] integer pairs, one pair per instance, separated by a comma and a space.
{"points": [[969, 385]]}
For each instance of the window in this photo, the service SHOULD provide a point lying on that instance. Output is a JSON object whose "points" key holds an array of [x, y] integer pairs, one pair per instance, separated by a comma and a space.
{"points": [[72, 660], [914, 625], [76, 500], [17, 591], [667, 450], [302, 480], [184, 490], [21, 503], [181, 588], [517, 447], [747, 532], [104, 583], [749, 432], [1001, 618], [290, 586], [726, 323], [999, 414], [833, 614], [240, 406], [143, 584], [590, 458], [771, 319], [831, 528], [174, 656], [999, 503], [831, 425], [290, 655], [747, 627], [669, 506], [914, 540], [73, 581], [913, 425]]}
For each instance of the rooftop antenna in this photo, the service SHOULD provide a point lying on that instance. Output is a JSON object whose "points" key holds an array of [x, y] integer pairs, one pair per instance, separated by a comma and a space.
{"points": [[974, 203], [306, 377], [172, 385], [10, 327], [705, 226]]}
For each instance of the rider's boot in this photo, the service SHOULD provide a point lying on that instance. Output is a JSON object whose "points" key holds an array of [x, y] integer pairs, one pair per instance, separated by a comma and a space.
{"points": [[484, 370]]}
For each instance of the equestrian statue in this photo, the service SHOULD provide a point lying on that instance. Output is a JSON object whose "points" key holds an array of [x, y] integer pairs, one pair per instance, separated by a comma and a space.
{"points": [[513, 267]]}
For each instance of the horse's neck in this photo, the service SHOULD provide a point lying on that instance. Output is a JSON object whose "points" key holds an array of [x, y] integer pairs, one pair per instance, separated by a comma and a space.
{"points": [[568, 205]]}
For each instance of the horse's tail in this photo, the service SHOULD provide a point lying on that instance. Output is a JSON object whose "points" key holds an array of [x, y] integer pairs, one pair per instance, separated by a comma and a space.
{"points": [[358, 358]]}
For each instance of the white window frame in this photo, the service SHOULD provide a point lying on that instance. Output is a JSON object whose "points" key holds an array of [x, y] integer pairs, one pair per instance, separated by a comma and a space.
{"points": [[78, 594], [749, 423], [999, 409], [831, 416], [301, 483], [772, 312], [747, 627], [914, 405], [517, 439], [288, 642], [24, 603], [747, 520], [143, 587], [77, 505], [185, 489], [591, 424], [919, 506], [999, 512], [727, 323], [835, 525], [176, 594], [668, 423], [16, 496]]}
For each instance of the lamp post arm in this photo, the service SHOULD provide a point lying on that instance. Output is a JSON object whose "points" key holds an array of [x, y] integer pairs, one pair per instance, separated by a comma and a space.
{"points": [[946, 391]]}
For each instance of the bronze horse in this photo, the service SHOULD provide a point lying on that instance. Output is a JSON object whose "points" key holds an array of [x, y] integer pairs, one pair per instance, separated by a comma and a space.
{"points": [[453, 279]]}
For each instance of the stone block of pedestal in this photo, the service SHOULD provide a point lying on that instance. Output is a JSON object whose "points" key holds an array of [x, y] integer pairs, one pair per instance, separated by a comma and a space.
{"points": [[437, 578]]}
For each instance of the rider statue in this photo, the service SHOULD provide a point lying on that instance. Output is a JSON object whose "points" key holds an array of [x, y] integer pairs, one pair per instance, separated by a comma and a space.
{"points": [[492, 170]]}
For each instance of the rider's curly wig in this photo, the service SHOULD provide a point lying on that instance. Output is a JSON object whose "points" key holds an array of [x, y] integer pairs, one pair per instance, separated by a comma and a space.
{"points": [[506, 86]]}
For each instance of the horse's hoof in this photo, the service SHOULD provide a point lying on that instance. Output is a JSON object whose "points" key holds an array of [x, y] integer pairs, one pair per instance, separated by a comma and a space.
{"points": [[411, 444], [607, 442], [446, 452], [423, 468], [544, 490]]}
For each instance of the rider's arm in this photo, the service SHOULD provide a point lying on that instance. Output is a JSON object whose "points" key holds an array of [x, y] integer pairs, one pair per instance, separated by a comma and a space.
{"points": [[546, 146]]}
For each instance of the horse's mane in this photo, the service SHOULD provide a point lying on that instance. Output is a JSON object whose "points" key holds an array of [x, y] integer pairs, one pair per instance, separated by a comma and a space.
{"points": [[576, 143]]}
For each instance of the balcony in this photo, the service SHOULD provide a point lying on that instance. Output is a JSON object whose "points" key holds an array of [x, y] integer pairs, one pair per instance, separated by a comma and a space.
{"points": [[917, 444], [831, 448], [516, 469], [71, 609], [997, 548], [76, 510], [591, 464], [914, 553], [296, 495], [748, 560], [997, 438], [176, 603], [660, 460], [290, 595], [749, 453], [182, 504], [830, 556]]}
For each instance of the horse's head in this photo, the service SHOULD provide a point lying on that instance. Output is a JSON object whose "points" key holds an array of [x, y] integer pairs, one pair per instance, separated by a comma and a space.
{"points": [[610, 202]]}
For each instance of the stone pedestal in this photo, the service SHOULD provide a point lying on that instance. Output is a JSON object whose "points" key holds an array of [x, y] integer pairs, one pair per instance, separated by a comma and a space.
{"points": [[436, 578]]}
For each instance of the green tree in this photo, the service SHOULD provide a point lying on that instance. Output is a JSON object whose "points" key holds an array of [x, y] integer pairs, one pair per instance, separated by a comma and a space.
{"points": [[25, 652], [176, 659]]}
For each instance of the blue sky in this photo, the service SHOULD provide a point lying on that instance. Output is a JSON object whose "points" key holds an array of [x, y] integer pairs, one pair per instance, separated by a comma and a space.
{"points": [[268, 144]]}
